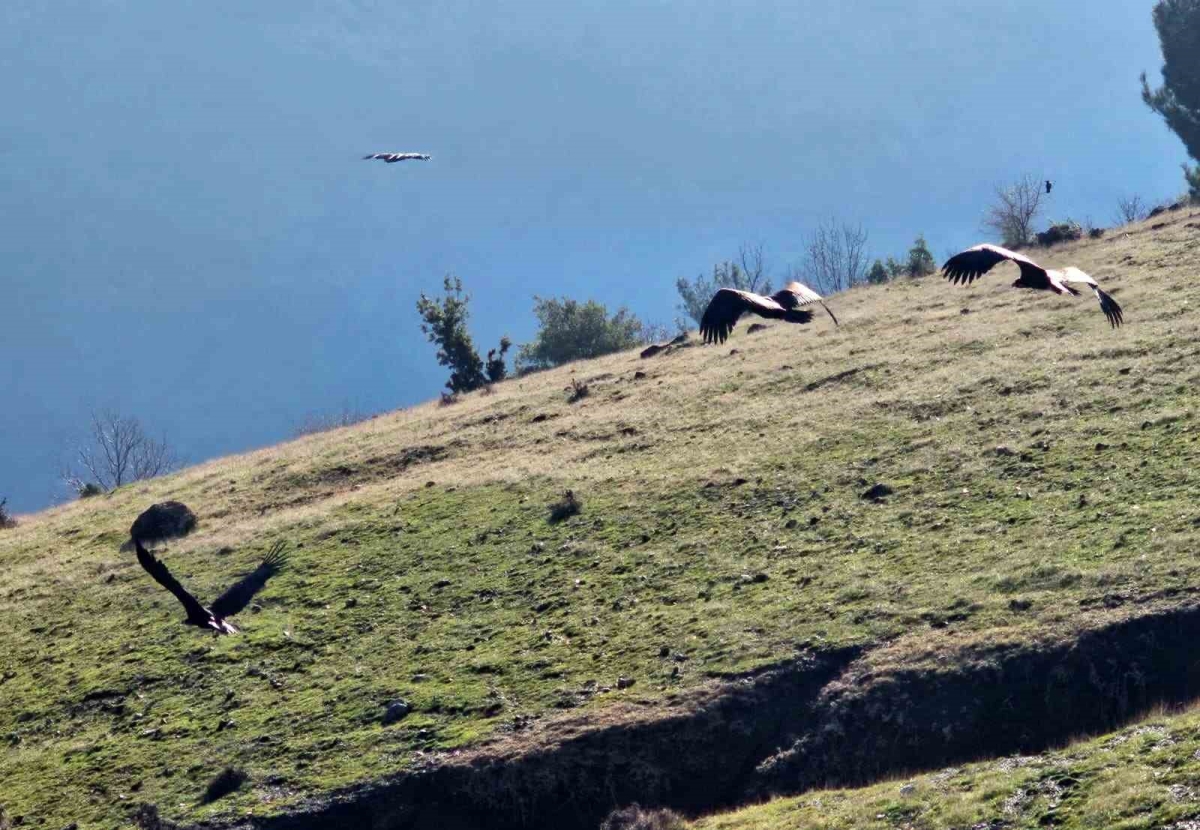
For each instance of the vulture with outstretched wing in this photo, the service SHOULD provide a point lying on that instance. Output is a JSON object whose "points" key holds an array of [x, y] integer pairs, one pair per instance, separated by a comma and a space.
{"points": [[229, 603], [786, 304], [391, 158], [973, 263]]}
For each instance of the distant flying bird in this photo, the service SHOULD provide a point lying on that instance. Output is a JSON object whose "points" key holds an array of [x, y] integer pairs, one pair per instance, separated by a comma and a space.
{"points": [[229, 603], [973, 263], [391, 158], [1049, 184], [730, 303]]}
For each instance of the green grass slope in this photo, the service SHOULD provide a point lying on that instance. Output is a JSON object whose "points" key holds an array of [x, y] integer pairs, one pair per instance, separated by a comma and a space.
{"points": [[1042, 468], [1144, 777]]}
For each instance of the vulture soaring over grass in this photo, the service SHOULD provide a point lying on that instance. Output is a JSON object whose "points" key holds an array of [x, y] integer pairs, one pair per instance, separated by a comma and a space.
{"points": [[728, 304], [229, 603], [975, 262], [391, 158]]}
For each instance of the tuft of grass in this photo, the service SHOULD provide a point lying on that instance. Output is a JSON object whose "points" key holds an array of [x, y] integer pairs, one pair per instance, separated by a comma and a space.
{"points": [[577, 391], [635, 817], [424, 568]]}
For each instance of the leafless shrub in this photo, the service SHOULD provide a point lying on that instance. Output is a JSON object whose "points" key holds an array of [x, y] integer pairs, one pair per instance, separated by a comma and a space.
{"points": [[654, 332], [6, 519], [835, 257], [1131, 209], [564, 509], [634, 817], [1016, 208], [578, 390], [754, 266], [448, 399], [315, 422], [118, 451]]}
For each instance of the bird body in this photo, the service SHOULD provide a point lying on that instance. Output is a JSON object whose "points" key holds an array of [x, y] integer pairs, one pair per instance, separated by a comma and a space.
{"points": [[969, 265], [1049, 185], [229, 603], [391, 158], [786, 304]]}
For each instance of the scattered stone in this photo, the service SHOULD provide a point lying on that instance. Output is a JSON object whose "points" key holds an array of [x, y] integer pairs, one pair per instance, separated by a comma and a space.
{"points": [[624, 682], [1125, 370], [791, 524], [664, 651], [537, 419], [1004, 451], [878, 492], [756, 327], [431, 484], [1101, 446], [639, 375], [395, 711], [732, 352], [908, 789], [442, 583], [1019, 605], [964, 311]]}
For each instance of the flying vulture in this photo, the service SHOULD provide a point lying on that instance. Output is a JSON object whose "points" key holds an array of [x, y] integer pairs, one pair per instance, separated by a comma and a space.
{"points": [[1049, 184], [229, 603], [391, 158], [972, 263], [730, 303]]}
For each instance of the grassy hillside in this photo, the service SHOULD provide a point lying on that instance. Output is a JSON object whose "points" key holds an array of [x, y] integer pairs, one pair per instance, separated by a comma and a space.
{"points": [[1146, 776], [1042, 476]]}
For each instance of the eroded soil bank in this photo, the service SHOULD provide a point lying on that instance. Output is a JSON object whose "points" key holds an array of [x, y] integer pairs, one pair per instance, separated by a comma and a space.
{"points": [[834, 719]]}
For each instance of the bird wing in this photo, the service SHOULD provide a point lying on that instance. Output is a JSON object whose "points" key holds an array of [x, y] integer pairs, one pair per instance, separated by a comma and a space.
{"points": [[973, 263], [1108, 305], [163, 577], [241, 592], [374, 156], [726, 306], [806, 296]]}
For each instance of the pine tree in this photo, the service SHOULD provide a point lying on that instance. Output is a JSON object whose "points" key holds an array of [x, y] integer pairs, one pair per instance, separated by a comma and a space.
{"points": [[445, 323], [920, 259], [878, 273], [1178, 99]]}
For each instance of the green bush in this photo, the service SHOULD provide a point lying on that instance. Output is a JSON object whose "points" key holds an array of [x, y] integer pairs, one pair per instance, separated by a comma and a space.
{"points": [[444, 322], [570, 330]]}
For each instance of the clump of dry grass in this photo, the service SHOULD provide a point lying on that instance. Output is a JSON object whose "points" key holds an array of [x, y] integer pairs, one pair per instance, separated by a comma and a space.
{"points": [[635, 817], [577, 391]]}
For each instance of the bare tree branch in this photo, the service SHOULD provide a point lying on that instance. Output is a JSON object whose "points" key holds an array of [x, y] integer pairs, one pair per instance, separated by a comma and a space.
{"points": [[1014, 211], [754, 266], [1130, 209], [835, 257], [117, 452]]}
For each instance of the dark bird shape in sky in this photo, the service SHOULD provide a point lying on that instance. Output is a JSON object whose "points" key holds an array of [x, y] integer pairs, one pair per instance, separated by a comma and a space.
{"points": [[229, 603], [786, 304], [973, 263], [1049, 185], [391, 158]]}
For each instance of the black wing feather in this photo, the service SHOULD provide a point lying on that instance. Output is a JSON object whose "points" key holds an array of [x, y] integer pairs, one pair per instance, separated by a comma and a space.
{"points": [[241, 592], [973, 263], [1110, 307], [163, 577]]}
